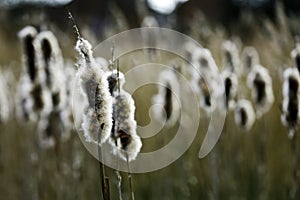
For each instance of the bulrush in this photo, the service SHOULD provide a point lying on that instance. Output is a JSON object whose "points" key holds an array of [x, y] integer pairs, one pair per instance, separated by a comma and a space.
{"points": [[32, 99], [168, 97], [115, 80], [124, 137], [230, 73], [51, 65], [290, 105], [296, 56], [231, 87], [205, 81], [97, 117], [260, 83], [231, 57], [244, 115], [249, 59]]}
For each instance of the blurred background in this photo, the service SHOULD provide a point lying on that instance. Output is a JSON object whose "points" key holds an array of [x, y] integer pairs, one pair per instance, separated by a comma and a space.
{"points": [[243, 166]]}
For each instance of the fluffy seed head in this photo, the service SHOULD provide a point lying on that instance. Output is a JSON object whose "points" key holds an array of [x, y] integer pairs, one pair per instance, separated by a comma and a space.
{"points": [[296, 56], [290, 106], [244, 115], [124, 137], [231, 85], [231, 57], [95, 89], [116, 79], [84, 48], [168, 94], [27, 35], [250, 58], [51, 72], [260, 83]]}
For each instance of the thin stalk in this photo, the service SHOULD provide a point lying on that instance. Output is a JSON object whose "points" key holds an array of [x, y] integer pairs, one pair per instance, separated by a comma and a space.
{"points": [[129, 178], [119, 184], [293, 138], [214, 170], [103, 178]]}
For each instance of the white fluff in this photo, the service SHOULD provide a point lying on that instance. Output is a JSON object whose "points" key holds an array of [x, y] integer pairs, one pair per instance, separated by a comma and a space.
{"points": [[32, 98], [230, 100], [244, 114], [231, 57], [260, 75], [26, 36], [95, 89], [115, 80], [125, 139], [295, 54], [290, 73], [102, 62], [167, 85], [250, 58], [51, 72], [205, 81]]}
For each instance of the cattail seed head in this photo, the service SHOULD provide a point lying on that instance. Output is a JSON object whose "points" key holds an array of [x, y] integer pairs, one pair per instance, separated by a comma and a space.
{"points": [[244, 115], [51, 64], [84, 48], [260, 82], [205, 82], [116, 80], [124, 137], [95, 89], [250, 58], [168, 94], [27, 35], [296, 56], [231, 87], [32, 98], [231, 57], [290, 106]]}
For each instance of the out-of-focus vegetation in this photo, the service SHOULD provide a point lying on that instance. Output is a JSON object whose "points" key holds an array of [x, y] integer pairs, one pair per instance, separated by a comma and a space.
{"points": [[256, 164]]}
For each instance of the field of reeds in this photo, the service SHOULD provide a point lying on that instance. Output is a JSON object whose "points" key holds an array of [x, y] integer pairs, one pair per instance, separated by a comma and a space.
{"points": [[42, 116]]}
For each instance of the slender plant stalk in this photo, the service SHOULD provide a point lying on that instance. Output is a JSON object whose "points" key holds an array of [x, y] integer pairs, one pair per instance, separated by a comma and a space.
{"points": [[214, 170], [293, 140], [129, 179], [103, 178], [119, 184]]}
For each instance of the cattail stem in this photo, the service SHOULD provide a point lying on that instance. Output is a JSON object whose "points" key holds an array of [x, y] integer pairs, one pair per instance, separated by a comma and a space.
{"points": [[262, 144], [119, 184], [293, 140], [129, 179], [103, 178], [214, 168]]}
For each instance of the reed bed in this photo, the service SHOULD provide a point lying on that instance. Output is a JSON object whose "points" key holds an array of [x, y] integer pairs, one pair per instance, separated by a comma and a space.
{"points": [[257, 156]]}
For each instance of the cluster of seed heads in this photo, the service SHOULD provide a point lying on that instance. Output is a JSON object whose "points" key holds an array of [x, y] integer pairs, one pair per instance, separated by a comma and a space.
{"points": [[108, 108], [203, 75], [42, 90]]}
